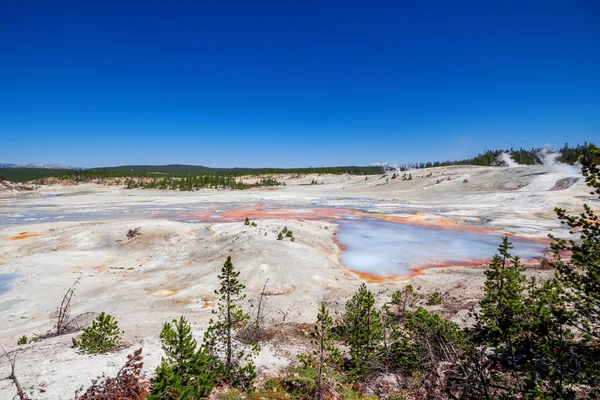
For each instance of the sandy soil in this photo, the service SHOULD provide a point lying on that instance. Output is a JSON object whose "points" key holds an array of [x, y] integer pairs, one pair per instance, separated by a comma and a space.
{"points": [[171, 268]]}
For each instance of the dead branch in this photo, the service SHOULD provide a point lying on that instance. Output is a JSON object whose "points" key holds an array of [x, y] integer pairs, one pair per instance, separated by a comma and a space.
{"points": [[13, 375], [63, 314]]}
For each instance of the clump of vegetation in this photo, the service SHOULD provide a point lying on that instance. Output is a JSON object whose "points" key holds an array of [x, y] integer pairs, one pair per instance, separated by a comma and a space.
{"points": [[435, 299], [286, 233], [22, 340], [268, 182], [128, 384], [134, 232], [102, 336], [325, 360], [186, 183], [404, 299], [186, 371], [248, 223]]}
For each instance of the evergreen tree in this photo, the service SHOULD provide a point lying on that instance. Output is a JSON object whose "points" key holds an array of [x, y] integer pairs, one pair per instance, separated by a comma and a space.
{"points": [[404, 298], [362, 328], [549, 369], [425, 340], [235, 358], [185, 372], [501, 318], [581, 274], [103, 335], [325, 358]]}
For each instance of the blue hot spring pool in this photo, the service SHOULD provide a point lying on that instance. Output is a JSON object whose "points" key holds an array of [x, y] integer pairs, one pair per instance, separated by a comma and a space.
{"points": [[387, 249]]}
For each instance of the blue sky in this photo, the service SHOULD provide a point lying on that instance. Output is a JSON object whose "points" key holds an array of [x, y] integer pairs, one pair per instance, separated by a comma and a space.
{"points": [[254, 84]]}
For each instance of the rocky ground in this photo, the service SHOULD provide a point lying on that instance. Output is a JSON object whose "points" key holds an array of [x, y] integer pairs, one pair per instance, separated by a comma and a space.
{"points": [[170, 268], [10, 187]]}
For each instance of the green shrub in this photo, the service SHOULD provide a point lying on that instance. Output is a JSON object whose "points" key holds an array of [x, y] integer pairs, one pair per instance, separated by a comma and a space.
{"points": [[301, 382], [405, 298], [186, 371], [102, 336], [435, 299], [231, 394], [22, 340], [427, 340]]}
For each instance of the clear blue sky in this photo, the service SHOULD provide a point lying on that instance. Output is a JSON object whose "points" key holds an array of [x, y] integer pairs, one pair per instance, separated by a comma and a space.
{"points": [[256, 83]]}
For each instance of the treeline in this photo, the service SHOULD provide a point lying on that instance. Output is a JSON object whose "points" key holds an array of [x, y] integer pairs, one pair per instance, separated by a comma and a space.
{"points": [[568, 155], [183, 170], [27, 174], [187, 183], [88, 175], [190, 183], [169, 176]]}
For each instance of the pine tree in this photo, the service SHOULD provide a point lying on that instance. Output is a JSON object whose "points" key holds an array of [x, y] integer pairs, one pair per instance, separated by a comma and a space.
{"points": [[103, 335], [581, 274], [390, 335], [325, 358], [550, 340], [363, 330], [404, 298], [503, 319], [235, 358], [502, 307], [185, 372]]}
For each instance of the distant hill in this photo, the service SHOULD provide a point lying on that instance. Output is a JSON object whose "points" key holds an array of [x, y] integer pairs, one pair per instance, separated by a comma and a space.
{"points": [[39, 166], [164, 169], [15, 174], [181, 169]]}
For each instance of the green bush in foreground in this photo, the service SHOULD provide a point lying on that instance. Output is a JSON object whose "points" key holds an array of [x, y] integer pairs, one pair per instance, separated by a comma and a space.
{"points": [[435, 299], [185, 372], [102, 336]]}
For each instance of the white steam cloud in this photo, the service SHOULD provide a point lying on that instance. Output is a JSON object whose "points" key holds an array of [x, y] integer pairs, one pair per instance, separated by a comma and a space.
{"points": [[549, 158], [388, 166], [380, 164], [507, 159]]}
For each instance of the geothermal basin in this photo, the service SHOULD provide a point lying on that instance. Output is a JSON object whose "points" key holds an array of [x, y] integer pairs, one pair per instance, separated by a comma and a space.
{"points": [[378, 239]]}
